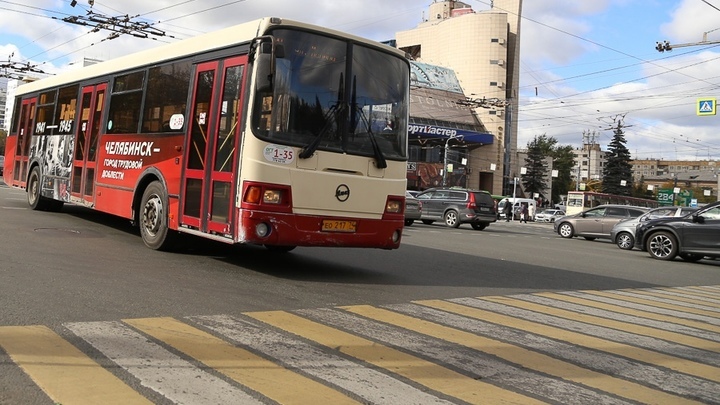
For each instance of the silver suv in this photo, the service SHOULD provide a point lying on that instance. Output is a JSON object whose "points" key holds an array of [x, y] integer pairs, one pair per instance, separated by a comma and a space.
{"points": [[456, 206], [596, 222]]}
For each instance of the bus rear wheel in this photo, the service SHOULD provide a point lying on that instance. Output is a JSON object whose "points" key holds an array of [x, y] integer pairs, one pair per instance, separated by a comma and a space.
{"points": [[154, 218], [34, 196]]}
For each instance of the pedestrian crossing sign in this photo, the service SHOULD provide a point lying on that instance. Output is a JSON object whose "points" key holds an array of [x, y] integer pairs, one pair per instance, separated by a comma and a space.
{"points": [[706, 106]]}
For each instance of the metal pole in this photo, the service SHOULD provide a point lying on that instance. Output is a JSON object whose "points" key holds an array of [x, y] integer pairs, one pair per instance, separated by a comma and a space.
{"points": [[445, 162], [512, 205]]}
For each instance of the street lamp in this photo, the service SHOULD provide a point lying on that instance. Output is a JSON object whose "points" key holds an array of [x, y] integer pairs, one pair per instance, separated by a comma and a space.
{"points": [[445, 156]]}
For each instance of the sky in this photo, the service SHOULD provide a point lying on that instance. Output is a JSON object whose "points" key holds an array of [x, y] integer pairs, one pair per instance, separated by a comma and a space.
{"points": [[585, 66]]}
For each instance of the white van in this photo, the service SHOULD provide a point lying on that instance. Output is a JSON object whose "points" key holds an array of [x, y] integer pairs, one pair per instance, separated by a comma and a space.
{"points": [[516, 202]]}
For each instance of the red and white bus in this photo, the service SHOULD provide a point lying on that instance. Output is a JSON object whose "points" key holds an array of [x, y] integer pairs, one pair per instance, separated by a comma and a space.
{"points": [[272, 132]]}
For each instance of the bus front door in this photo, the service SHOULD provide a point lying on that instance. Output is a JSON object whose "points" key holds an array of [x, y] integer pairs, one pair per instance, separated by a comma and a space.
{"points": [[211, 151], [86, 141], [22, 149]]}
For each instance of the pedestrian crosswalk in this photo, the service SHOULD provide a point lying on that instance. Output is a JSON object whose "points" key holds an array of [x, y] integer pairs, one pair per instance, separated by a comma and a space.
{"points": [[650, 345]]}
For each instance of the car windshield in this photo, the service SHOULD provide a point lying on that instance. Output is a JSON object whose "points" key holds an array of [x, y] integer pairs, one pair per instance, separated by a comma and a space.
{"points": [[335, 95]]}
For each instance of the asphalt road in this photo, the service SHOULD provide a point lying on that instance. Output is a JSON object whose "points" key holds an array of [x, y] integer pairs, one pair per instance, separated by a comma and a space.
{"points": [[71, 269], [82, 265]]}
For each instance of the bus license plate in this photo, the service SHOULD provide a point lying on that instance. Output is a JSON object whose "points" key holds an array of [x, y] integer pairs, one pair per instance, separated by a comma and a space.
{"points": [[331, 225]]}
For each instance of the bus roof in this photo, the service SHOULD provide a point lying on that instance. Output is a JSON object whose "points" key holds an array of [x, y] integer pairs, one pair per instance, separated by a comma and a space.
{"points": [[216, 40]]}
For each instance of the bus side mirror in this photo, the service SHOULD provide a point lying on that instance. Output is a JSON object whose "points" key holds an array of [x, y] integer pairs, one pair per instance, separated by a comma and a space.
{"points": [[265, 61], [265, 67]]}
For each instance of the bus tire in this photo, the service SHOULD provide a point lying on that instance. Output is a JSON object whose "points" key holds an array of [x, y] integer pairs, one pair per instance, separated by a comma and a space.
{"points": [[154, 218], [35, 200]]}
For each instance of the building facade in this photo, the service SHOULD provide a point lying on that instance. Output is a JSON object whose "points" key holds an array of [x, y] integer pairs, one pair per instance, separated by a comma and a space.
{"points": [[483, 49], [590, 161], [4, 111]]}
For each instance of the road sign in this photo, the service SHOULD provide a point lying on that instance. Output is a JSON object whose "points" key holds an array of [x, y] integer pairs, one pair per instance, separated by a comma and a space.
{"points": [[706, 106]]}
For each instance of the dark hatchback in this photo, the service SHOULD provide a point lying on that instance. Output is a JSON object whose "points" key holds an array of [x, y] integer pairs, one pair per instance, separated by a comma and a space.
{"points": [[691, 237], [456, 206]]}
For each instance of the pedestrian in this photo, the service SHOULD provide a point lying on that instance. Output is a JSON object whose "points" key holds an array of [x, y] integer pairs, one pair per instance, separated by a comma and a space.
{"points": [[507, 209], [531, 212], [523, 212]]}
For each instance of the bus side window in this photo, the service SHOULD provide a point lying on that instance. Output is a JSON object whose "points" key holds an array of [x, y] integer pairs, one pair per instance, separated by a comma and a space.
{"points": [[125, 102]]}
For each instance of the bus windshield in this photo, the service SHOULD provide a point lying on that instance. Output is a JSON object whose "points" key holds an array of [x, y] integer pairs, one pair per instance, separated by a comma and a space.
{"points": [[334, 95]]}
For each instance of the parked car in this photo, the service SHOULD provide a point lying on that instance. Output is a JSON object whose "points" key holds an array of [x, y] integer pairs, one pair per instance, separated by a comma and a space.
{"points": [[692, 237], [413, 209], [623, 233], [596, 222], [456, 206], [549, 215]]}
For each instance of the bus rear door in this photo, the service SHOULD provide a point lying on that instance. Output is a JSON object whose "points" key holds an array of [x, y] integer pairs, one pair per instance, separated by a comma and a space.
{"points": [[212, 146], [86, 140], [22, 149]]}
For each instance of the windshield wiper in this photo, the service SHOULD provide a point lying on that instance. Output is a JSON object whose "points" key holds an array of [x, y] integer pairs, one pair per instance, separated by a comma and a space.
{"points": [[310, 148], [331, 115], [379, 157], [377, 152]]}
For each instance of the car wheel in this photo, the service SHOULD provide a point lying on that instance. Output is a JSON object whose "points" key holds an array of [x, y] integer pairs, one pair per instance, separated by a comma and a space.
{"points": [[566, 230], [662, 245], [625, 241], [451, 219], [690, 257], [478, 226], [427, 221], [409, 222]]}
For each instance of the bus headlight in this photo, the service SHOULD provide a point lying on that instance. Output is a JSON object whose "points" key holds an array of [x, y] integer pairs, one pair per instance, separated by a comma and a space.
{"points": [[271, 196], [393, 206]]}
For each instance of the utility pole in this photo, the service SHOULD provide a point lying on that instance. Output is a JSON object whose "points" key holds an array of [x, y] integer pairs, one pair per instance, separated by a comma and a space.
{"points": [[663, 46]]}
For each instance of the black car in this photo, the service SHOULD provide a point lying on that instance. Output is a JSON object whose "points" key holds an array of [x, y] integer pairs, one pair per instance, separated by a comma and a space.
{"points": [[457, 206], [692, 237]]}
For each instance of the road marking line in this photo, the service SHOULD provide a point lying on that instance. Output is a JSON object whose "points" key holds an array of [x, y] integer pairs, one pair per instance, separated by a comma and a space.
{"points": [[625, 296], [367, 383], [269, 379], [596, 343], [63, 372], [523, 357], [707, 295], [669, 318], [414, 368], [181, 381], [698, 343], [669, 297]]}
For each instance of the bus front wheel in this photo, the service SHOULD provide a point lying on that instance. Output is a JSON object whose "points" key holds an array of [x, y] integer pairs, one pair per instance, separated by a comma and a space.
{"points": [[154, 218]]}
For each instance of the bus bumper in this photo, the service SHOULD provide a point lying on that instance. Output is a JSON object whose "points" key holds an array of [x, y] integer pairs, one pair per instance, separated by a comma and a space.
{"points": [[281, 229]]}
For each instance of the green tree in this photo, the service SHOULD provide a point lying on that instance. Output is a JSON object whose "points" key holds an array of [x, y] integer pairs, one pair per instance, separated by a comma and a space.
{"points": [[563, 162], [3, 136], [618, 167], [534, 179]]}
